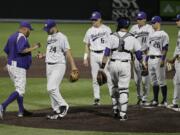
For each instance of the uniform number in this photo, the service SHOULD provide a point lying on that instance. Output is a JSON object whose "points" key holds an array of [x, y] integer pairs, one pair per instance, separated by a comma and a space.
{"points": [[144, 39], [52, 49], [102, 41], [156, 45]]}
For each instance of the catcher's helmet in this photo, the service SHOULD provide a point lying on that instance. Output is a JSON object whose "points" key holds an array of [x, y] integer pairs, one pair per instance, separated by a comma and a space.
{"points": [[123, 22]]}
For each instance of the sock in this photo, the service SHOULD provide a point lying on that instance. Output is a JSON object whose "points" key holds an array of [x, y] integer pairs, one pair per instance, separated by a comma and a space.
{"points": [[156, 92], [10, 99], [20, 103], [164, 92]]}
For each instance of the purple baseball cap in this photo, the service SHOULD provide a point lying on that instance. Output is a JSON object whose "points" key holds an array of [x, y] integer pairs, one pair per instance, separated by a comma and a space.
{"points": [[49, 24], [156, 19], [141, 16], [95, 15], [178, 17], [26, 24]]}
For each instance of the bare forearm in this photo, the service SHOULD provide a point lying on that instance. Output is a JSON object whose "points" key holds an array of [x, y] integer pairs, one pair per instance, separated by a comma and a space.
{"points": [[70, 59]]}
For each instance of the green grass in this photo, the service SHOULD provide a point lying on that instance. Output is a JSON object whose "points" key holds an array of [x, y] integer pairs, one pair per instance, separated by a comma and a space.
{"points": [[76, 94], [75, 34]]}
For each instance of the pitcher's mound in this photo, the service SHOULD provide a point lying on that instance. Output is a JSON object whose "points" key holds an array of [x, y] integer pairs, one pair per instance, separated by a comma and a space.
{"points": [[89, 118]]}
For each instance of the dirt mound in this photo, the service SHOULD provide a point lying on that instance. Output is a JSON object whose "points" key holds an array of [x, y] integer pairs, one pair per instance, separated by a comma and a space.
{"points": [[89, 118]]}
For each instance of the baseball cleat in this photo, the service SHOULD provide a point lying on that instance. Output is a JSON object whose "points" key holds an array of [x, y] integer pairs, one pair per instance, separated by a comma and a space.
{"points": [[173, 106], [63, 110], [123, 118], [1, 112], [139, 102], [53, 116], [96, 102], [145, 103], [115, 113], [163, 104], [154, 103], [25, 113]]}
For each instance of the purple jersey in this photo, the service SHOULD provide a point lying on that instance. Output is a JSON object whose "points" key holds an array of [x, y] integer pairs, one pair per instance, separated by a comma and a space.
{"points": [[16, 43]]}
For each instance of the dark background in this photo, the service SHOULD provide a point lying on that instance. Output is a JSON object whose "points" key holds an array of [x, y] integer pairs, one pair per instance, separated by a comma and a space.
{"points": [[70, 9]]}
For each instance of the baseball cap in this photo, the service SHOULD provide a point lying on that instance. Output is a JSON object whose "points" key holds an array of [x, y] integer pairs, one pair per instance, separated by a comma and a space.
{"points": [[156, 19], [49, 24], [141, 15], [95, 15], [178, 17], [26, 24]]}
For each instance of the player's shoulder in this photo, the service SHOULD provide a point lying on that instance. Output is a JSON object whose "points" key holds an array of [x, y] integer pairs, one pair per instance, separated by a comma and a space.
{"points": [[20, 35], [105, 27], [163, 33], [61, 35], [133, 27]]}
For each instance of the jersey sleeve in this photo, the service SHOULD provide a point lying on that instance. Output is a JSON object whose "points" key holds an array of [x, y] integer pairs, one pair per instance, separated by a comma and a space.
{"points": [[21, 44], [132, 30], [165, 40], [66, 45], [137, 45], [86, 38]]}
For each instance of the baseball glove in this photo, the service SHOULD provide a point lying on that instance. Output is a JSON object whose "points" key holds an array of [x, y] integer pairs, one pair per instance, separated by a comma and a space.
{"points": [[74, 76], [144, 71], [169, 66], [101, 77]]}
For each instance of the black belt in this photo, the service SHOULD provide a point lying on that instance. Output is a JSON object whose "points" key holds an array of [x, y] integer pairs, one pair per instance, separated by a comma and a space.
{"points": [[113, 60], [155, 56], [49, 63], [100, 51]]}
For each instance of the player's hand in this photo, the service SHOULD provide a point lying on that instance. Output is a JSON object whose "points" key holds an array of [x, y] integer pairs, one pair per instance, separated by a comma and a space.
{"points": [[162, 63], [86, 63], [40, 55], [37, 45]]}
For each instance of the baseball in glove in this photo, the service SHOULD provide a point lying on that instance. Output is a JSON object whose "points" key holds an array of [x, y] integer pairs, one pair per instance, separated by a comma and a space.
{"points": [[101, 77], [74, 76]]}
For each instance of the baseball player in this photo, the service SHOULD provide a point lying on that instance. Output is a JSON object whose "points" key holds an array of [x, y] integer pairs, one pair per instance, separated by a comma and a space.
{"points": [[18, 52], [157, 48], [58, 49], [141, 31], [95, 41], [176, 61], [120, 47]]}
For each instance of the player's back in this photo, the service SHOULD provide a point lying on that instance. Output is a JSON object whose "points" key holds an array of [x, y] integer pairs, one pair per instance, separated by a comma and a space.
{"points": [[130, 44]]}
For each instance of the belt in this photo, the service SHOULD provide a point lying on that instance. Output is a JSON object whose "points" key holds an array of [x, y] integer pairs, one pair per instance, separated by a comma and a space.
{"points": [[100, 51], [49, 63], [113, 60], [154, 56]]}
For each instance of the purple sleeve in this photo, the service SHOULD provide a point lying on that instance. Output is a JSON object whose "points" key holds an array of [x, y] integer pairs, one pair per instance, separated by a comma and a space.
{"points": [[138, 55], [165, 47], [21, 44], [107, 52]]}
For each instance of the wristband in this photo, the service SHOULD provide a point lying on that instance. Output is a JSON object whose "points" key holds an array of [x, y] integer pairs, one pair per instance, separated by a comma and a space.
{"points": [[163, 57], [85, 56]]}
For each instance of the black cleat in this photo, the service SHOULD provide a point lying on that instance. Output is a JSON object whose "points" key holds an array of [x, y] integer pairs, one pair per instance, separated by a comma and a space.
{"points": [[123, 118], [96, 102], [115, 113]]}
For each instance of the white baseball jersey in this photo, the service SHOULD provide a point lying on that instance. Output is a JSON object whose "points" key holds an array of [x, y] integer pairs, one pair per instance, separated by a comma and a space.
{"points": [[157, 41], [177, 49], [57, 45], [142, 33], [97, 37], [131, 44]]}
